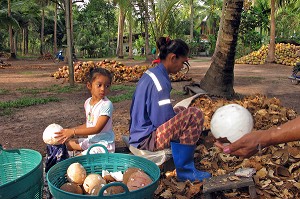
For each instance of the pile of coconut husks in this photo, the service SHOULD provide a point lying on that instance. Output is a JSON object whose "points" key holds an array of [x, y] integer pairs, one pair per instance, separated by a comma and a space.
{"points": [[277, 167], [122, 73]]}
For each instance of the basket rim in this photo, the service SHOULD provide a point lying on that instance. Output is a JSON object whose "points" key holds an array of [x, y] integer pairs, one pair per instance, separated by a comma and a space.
{"points": [[26, 174], [87, 156]]}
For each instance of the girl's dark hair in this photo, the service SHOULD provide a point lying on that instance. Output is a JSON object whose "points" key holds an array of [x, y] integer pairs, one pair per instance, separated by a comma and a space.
{"points": [[99, 71], [176, 46]]}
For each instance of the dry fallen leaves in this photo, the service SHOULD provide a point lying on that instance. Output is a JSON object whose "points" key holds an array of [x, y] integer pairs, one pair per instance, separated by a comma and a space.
{"points": [[277, 167]]}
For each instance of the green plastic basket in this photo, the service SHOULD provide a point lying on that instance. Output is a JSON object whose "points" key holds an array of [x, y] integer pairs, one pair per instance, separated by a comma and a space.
{"points": [[21, 174], [95, 163]]}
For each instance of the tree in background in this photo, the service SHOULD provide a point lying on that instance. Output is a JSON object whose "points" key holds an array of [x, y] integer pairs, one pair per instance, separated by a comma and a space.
{"points": [[219, 78], [250, 36], [95, 27], [11, 34], [271, 53]]}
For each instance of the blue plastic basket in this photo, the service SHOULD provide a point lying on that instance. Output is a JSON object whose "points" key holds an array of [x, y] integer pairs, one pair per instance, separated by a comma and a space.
{"points": [[21, 174], [95, 163]]}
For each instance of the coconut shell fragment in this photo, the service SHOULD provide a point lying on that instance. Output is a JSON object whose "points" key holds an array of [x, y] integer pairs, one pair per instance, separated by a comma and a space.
{"points": [[72, 188], [128, 172], [138, 180]]}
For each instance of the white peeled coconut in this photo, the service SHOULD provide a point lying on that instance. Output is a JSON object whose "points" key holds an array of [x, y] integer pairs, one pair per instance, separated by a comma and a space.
{"points": [[76, 173], [231, 121], [91, 181], [49, 133]]}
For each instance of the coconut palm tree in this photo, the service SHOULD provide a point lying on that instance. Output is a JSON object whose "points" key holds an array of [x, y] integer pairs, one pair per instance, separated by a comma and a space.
{"points": [[123, 5], [8, 21], [10, 30], [211, 11], [271, 54], [274, 6], [219, 78]]}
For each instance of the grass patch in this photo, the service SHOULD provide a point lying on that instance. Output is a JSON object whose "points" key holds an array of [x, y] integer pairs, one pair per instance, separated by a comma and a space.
{"points": [[6, 107], [4, 91], [53, 88], [26, 73], [177, 92], [27, 101], [126, 94]]}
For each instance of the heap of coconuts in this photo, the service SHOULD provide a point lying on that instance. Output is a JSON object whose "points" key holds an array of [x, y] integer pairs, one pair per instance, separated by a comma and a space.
{"points": [[81, 182], [122, 73], [286, 54]]}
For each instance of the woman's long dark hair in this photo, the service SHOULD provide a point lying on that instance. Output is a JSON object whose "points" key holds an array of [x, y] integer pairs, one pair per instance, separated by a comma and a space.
{"points": [[176, 46]]}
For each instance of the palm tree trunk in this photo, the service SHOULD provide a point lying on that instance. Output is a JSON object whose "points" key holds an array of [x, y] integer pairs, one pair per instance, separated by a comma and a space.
{"points": [[23, 41], [192, 20], [69, 42], [271, 54], [219, 78], [42, 30], [147, 48], [71, 27], [11, 35], [130, 53], [55, 30], [26, 40], [119, 50]]}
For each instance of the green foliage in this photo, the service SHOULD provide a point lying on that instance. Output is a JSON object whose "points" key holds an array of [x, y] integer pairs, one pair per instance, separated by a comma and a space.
{"points": [[177, 92], [126, 93], [95, 25], [53, 88], [31, 99], [94, 29], [288, 17], [139, 43], [3, 91], [213, 41], [27, 101], [249, 39], [6, 107], [198, 46]]}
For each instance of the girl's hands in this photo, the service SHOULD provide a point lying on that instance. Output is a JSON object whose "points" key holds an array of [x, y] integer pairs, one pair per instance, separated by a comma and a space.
{"points": [[64, 135]]}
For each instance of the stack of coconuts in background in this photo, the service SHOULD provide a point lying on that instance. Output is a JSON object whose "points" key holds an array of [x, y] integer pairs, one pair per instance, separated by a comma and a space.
{"points": [[122, 73], [80, 182], [286, 54]]}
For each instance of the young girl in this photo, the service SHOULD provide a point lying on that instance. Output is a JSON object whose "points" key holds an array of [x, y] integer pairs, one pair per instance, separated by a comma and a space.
{"points": [[98, 111]]}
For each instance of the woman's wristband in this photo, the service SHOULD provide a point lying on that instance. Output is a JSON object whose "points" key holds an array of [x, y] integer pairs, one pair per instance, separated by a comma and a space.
{"points": [[74, 132]]}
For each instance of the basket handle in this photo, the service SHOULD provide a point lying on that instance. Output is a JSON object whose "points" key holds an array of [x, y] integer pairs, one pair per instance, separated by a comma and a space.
{"points": [[95, 145], [113, 184]]}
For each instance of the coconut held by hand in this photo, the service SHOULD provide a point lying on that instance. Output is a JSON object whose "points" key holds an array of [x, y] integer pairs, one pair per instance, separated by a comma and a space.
{"points": [[231, 121], [49, 134]]}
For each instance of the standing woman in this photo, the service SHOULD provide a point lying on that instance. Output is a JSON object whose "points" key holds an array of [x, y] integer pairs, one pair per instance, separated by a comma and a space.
{"points": [[154, 124]]}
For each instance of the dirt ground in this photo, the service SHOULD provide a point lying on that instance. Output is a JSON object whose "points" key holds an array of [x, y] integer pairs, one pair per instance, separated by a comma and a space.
{"points": [[24, 128]]}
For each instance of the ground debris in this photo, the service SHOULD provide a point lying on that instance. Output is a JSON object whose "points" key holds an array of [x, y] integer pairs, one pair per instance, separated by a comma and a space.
{"points": [[277, 167]]}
